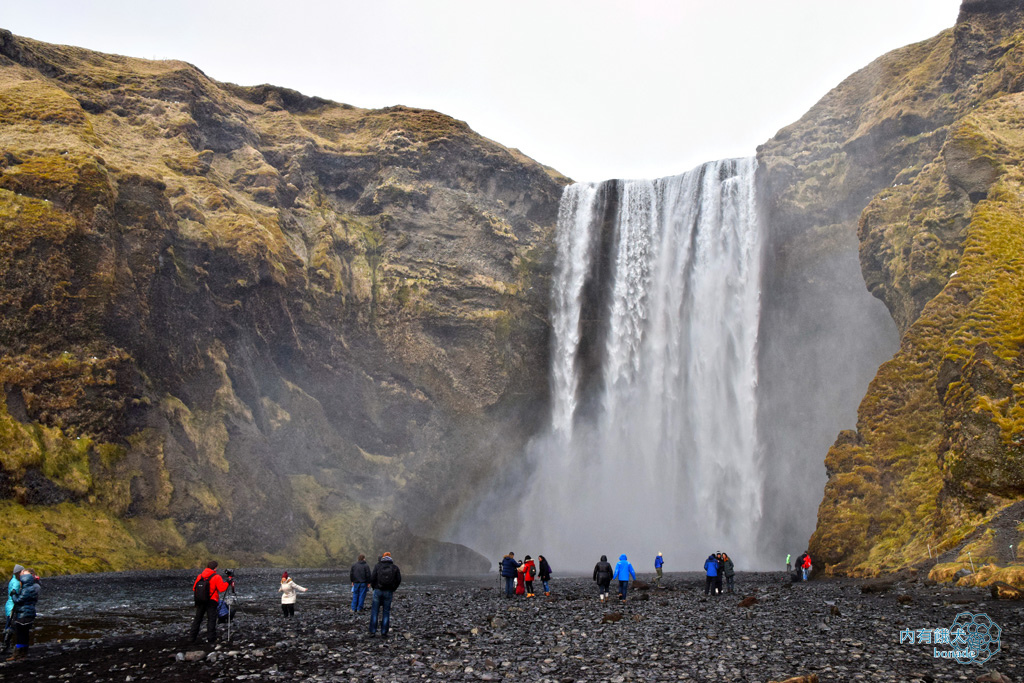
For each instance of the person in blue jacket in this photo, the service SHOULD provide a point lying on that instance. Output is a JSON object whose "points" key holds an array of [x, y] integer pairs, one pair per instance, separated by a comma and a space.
{"points": [[659, 561], [711, 569], [623, 573], [509, 565]]}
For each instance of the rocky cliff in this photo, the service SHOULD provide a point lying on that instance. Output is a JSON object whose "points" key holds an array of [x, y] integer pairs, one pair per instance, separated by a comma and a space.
{"points": [[921, 154], [245, 322]]}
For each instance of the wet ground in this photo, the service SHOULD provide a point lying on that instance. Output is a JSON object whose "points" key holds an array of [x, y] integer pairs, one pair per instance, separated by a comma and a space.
{"points": [[133, 627]]}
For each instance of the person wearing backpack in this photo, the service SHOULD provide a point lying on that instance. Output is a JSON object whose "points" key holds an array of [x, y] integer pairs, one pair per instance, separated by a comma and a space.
{"points": [[384, 579], [207, 589], [529, 573]]}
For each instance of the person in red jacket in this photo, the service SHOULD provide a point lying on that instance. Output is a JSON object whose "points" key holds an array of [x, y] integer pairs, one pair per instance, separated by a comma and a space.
{"points": [[207, 589], [529, 572]]}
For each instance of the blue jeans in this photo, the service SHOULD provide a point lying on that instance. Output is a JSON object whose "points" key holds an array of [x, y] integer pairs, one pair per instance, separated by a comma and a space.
{"points": [[546, 589], [510, 586], [358, 596], [381, 599], [806, 573], [623, 585]]}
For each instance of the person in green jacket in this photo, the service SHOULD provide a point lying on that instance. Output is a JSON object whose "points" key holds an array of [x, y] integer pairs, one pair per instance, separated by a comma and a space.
{"points": [[728, 569]]}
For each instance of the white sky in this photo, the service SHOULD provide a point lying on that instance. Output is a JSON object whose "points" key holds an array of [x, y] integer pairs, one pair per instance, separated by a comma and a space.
{"points": [[596, 89]]}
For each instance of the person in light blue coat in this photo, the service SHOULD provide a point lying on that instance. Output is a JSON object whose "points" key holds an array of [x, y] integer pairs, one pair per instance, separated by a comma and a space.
{"points": [[13, 588], [623, 573]]}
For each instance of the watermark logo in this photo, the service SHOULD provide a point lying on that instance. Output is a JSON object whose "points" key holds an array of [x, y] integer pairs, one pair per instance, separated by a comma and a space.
{"points": [[972, 638]]}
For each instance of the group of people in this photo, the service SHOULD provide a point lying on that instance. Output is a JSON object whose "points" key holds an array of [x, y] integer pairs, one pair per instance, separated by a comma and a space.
{"points": [[623, 572], [20, 610], [210, 590], [803, 567], [717, 566], [519, 576]]}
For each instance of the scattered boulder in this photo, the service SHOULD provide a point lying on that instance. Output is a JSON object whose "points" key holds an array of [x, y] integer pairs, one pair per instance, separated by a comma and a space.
{"points": [[876, 586], [834, 611], [1004, 591], [812, 678], [992, 677], [195, 656], [748, 601], [904, 599], [611, 618]]}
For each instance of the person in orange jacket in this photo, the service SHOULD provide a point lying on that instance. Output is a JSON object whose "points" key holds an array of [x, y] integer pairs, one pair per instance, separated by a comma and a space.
{"points": [[207, 589]]}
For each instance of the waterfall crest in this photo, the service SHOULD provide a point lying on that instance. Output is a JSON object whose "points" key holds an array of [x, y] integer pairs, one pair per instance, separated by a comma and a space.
{"points": [[655, 315]]}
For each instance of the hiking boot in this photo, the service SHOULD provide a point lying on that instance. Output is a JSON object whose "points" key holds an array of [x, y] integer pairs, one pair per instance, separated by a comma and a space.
{"points": [[547, 593]]}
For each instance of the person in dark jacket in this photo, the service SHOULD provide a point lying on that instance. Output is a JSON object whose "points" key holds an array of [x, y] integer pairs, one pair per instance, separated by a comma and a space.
{"points": [[799, 567], [509, 567], [208, 603], [729, 569], [385, 579], [603, 576], [544, 572], [359, 575], [721, 573], [24, 613], [711, 571]]}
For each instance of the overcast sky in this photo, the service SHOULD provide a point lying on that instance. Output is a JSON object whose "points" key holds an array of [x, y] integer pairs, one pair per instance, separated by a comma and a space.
{"points": [[596, 89]]}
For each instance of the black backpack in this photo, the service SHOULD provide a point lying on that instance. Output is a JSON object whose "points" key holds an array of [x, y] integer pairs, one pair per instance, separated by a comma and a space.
{"points": [[202, 590], [386, 576]]}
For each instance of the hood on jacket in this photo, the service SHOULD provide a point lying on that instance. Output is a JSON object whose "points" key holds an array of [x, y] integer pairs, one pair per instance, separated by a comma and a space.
{"points": [[622, 558], [386, 558], [28, 580], [604, 558]]}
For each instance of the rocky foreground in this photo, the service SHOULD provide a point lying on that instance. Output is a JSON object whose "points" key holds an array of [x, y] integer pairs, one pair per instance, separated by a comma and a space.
{"points": [[468, 631]]}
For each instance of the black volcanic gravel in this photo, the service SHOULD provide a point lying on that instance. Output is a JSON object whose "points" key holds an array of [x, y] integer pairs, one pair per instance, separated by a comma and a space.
{"points": [[464, 629]]}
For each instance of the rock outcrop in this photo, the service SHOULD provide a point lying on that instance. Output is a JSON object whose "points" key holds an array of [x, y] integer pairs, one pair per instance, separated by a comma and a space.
{"points": [[243, 321], [922, 151]]}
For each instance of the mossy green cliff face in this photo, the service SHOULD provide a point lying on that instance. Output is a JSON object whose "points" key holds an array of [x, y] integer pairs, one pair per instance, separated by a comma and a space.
{"points": [[247, 322], [923, 149]]}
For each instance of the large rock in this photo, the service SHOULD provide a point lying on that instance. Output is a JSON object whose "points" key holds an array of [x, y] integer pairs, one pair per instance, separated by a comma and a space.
{"points": [[249, 322], [920, 149]]}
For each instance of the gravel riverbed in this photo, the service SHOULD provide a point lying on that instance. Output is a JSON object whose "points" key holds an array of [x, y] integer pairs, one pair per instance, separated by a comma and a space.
{"points": [[464, 629]]}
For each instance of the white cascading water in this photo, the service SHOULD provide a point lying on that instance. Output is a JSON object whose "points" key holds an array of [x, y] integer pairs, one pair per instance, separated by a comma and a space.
{"points": [[665, 458]]}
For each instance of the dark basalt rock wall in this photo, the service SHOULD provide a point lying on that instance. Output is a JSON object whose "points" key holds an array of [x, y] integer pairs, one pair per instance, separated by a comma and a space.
{"points": [[250, 322]]}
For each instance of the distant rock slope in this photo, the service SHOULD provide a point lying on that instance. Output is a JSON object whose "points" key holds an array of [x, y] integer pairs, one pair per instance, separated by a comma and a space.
{"points": [[924, 150], [245, 322]]}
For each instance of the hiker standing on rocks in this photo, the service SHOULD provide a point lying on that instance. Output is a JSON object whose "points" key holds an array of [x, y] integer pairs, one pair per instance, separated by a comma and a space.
{"points": [[711, 572], [288, 596], [721, 570], [207, 589], [385, 579], [529, 572], [23, 613], [603, 575], [729, 569], [359, 575], [544, 571], [13, 588], [509, 566], [806, 566], [623, 573], [659, 562], [788, 565]]}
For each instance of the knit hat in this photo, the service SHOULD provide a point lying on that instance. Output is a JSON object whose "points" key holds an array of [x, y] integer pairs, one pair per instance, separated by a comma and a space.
{"points": [[18, 569], [386, 555]]}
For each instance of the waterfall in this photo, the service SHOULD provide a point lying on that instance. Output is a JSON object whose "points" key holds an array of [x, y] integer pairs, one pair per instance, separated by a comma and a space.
{"points": [[655, 313]]}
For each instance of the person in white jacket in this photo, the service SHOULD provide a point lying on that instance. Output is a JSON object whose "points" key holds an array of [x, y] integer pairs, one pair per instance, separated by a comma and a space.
{"points": [[287, 591]]}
